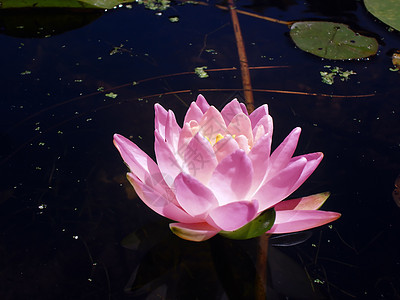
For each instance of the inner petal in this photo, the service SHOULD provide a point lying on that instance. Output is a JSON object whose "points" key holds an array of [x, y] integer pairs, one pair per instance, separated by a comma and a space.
{"points": [[241, 125], [224, 147], [212, 124]]}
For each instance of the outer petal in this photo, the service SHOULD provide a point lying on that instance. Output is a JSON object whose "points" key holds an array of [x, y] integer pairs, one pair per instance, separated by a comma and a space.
{"points": [[138, 162], [196, 232], [230, 110], [241, 125], [288, 180], [199, 158], [161, 203], [313, 160], [257, 114], [160, 119], [298, 220], [280, 186], [212, 124], [282, 155], [202, 103], [259, 156], [167, 160], [193, 113], [194, 197], [172, 131], [312, 202], [225, 147], [232, 178], [233, 215]]}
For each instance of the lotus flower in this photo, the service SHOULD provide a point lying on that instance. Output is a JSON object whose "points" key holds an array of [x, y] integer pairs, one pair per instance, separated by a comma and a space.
{"points": [[217, 173]]}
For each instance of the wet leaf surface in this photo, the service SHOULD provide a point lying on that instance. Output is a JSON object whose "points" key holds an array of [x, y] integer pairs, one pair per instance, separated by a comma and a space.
{"points": [[332, 40], [385, 10], [99, 4]]}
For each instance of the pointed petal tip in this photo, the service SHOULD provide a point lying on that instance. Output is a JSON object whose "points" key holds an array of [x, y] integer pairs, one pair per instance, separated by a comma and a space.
{"points": [[299, 220], [197, 232], [312, 202]]}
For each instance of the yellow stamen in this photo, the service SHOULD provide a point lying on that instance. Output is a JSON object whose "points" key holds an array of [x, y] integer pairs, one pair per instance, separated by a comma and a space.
{"points": [[218, 137]]}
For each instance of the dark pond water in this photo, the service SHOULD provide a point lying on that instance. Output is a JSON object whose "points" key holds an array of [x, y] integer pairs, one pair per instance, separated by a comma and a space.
{"points": [[66, 206]]}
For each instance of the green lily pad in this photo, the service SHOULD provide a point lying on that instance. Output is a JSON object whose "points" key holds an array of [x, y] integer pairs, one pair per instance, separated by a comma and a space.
{"points": [[91, 4], [332, 40], [253, 229], [387, 11]]}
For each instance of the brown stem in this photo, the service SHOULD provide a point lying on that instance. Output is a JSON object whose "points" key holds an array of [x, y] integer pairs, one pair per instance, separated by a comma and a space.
{"points": [[261, 267], [244, 66]]}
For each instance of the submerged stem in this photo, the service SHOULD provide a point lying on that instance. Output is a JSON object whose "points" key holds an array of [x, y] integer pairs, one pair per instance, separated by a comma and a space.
{"points": [[244, 66], [261, 267]]}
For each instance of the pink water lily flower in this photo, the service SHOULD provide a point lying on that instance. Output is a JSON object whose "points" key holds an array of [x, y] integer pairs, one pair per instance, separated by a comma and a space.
{"points": [[217, 173]]}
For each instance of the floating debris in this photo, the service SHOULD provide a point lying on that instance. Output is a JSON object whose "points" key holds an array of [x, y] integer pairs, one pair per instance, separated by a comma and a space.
{"points": [[200, 72], [329, 77], [173, 19], [111, 95]]}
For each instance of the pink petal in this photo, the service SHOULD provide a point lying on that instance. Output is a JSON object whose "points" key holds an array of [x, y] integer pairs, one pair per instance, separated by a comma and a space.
{"points": [[160, 119], [225, 147], [313, 160], [259, 156], [243, 143], [244, 108], [138, 162], [196, 232], [199, 158], [280, 186], [232, 178], [202, 103], [185, 137], [241, 125], [233, 215], [264, 125], [167, 161], [172, 131], [212, 124], [258, 132], [230, 110], [161, 203], [193, 113], [312, 202], [297, 220], [194, 197], [282, 155], [257, 114]]}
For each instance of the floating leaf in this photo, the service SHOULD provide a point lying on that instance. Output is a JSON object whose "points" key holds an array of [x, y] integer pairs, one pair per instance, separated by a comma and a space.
{"points": [[332, 40], [387, 11], [100, 4], [255, 228]]}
